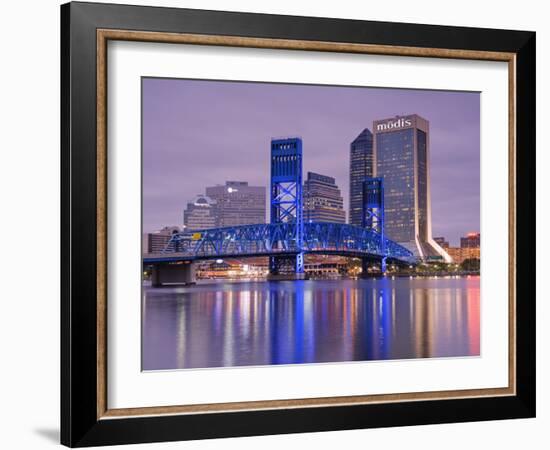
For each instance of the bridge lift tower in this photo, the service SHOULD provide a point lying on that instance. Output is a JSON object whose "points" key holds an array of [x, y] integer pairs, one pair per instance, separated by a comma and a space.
{"points": [[286, 205], [373, 212]]}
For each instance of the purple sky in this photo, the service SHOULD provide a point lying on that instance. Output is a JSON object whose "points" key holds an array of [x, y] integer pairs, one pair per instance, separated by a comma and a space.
{"points": [[202, 133]]}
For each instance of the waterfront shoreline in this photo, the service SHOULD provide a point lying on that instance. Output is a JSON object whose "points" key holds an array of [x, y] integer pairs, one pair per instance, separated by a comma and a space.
{"points": [[221, 281]]}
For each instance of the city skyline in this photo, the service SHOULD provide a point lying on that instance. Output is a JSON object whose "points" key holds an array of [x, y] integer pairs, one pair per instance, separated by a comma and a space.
{"points": [[190, 124]]}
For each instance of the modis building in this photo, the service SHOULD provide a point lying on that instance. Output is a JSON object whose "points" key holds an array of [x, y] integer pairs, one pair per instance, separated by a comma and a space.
{"points": [[401, 157]]}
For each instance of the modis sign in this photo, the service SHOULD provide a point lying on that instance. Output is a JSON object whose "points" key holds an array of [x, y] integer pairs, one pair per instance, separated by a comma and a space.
{"points": [[394, 124]]}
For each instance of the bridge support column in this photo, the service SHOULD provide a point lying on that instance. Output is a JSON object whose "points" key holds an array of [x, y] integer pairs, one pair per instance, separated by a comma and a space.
{"points": [[370, 262], [173, 274], [286, 267], [383, 264], [286, 208]]}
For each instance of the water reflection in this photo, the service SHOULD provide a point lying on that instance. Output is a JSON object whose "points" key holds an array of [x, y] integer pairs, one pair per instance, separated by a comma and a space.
{"points": [[260, 323]]}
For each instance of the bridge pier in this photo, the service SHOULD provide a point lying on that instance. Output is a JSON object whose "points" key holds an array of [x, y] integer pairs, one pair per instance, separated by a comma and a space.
{"points": [[173, 274], [286, 268], [368, 262]]}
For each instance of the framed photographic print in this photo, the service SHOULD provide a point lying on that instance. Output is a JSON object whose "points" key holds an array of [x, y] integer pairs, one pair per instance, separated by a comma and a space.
{"points": [[277, 224]]}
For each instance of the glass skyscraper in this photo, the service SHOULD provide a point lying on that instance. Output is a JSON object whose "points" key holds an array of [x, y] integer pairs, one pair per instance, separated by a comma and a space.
{"points": [[401, 157], [361, 157], [323, 201]]}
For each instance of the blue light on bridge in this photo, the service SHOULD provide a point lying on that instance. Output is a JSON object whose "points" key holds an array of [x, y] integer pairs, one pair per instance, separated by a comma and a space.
{"points": [[286, 201], [280, 239]]}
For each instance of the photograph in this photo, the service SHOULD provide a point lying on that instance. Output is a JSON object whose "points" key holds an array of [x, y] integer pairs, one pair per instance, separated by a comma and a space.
{"points": [[287, 222], [305, 224]]}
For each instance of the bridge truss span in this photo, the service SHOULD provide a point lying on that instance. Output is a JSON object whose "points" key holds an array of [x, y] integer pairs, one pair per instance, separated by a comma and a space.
{"points": [[280, 238]]}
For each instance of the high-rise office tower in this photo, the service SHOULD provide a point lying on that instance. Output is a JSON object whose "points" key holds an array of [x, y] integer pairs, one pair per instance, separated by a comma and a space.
{"points": [[238, 203], [323, 201], [360, 167], [201, 214], [401, 157]]}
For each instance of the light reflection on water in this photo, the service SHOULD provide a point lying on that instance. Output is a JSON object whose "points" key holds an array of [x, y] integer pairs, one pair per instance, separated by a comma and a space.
{"points": [[262, 323]]}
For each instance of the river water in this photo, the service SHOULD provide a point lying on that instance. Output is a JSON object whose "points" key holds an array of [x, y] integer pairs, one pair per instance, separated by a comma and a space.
{"points": [[220, 324]]}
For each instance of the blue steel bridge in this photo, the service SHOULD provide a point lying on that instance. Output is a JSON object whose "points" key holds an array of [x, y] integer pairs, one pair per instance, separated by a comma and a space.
{"points": [[287, 238], [277, 239]]}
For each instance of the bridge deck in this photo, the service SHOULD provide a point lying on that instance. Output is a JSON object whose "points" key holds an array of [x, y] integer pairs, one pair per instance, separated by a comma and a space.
{"points": [[278, 240]]}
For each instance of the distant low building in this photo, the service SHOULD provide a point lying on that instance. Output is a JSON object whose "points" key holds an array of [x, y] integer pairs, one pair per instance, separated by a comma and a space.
{"points": [[471, 240], [460, 254], [325, 265], [442, 242], [469, 248], [155, 242]]}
